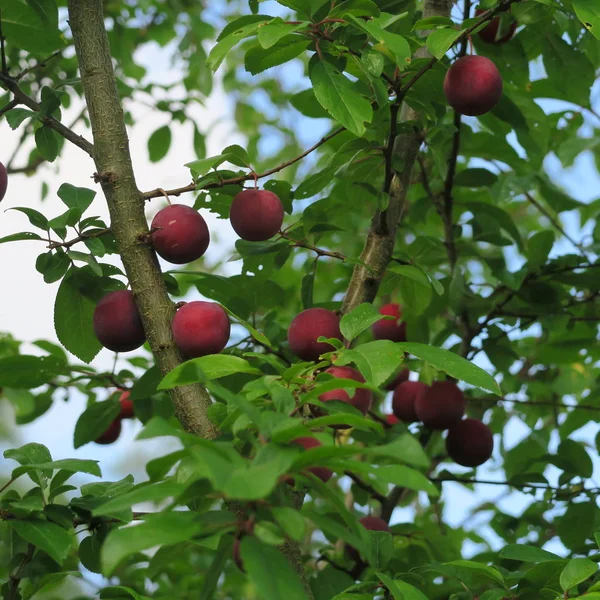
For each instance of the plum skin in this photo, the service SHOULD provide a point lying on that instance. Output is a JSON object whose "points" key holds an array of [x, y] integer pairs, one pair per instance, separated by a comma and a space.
{"points": [[323, 473], [441, 406], [181, 234], [400, 377], [470, 443], [307, 327], [117, 322], [361, 399], [388, 329], [488, 33], [201, 328], [111, 434], [126, 406], [256, 215], [473, 85], [370, 524], [3, 181], [404, 398]]}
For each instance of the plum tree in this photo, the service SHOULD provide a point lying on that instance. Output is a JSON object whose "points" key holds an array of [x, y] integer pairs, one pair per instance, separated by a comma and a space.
{"points": [[396, 380], [179, 234], [307, 327], [390, 329], [117, 322], [201, 328], [126, 406], [323, 473], [370, 524], [441, 406], [470, 443], [361, 399], [112, 433], [404, 398], [256, 215], [489, 34], [3, 181], [473, 85]]}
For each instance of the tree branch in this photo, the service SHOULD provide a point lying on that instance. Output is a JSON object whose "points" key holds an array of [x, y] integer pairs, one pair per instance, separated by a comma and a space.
{"points": [[126, 206], [79, 238], [158, 192]]}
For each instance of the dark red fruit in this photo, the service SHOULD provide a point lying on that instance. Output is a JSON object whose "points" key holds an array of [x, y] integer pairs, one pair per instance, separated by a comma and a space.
{"points": [[441, 406], [489, 34], [470, 443], [3, 181], [201, 328], [182, 235], [390, 329], [256, 215], [308, 327], [111, 434], [370, 524], [397, 380], [322, 473], [392, 419], [361, 399], [237, 556], [117, 322], [473, 85], [126, 406], [403, 400]]}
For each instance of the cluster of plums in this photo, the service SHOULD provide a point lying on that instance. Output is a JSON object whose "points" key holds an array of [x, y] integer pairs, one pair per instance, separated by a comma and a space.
{"points": [[113, 431]]}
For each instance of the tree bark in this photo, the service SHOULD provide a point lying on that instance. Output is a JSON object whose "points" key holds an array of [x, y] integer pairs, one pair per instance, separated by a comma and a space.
{"points": [[126, 205]]}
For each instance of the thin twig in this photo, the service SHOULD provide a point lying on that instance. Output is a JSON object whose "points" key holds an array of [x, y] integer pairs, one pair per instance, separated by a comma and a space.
{"points": [[79, 238], [15, 579], [501, 401], [367, 487], [318, 251], [37, 65], [156, 193], [8, 107]]}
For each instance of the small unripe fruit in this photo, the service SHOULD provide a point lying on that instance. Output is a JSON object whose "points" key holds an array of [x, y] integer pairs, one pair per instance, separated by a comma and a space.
{"points": [[322, 473], [473, 85], [201, 328], [401, 377], [308, 327], [403, 401], [370, 524], [3, 181], [470, 443], [126, 406], [181, 234], [237, 556], [111, 434], [390, 329], [361, 399], [441, 406], [256, 215], [489, 34], [117, 322]]}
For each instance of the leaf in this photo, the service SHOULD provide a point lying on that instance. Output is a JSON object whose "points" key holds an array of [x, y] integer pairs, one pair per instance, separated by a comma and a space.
{"points": [[117, 591], [226, 43], [441, 40], [588, 12], [28, 372], [406, 478], [377, 361], [19, 237], [467, 568], [475, 178], [527, 553], [36, 218], [159, 143], [49, 537], [339, 96], [390, 584], [29, 454], [576, 572], [452, 364], [259, 59], [76, 197], [95, 420], [538, 248], [211, 578], [261, 562], [72, 465], [270, 33], [213, 366], [16, 116], [358, 320], [47, 143], [291, 521], [73, 320]]}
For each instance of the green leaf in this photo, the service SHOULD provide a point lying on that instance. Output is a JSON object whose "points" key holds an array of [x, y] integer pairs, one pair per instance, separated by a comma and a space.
{"points": [[261, 562], [36, 218], [339, 96], [390, 584], [72, 465], [206, 368], [49, 537], [538, 248], [406, 478], [259, 59], [211, 578], [291, 521], [452, 364], [527, 553], [159, 143], [576, 572], [358, 8], [28, 372], [116, 592], [377, 361], [226, 44], [475, 178], [441, 40], [588, 12], [270, 33], [468, 568], [16, 116], [358, 320], [19, 237], [73, 319], [95, 420], [76, 197], [30, 454], [46, 141]]}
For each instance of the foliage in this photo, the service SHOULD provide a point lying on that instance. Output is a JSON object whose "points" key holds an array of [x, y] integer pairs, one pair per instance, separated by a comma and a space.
{"points": [[496, 293]]}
